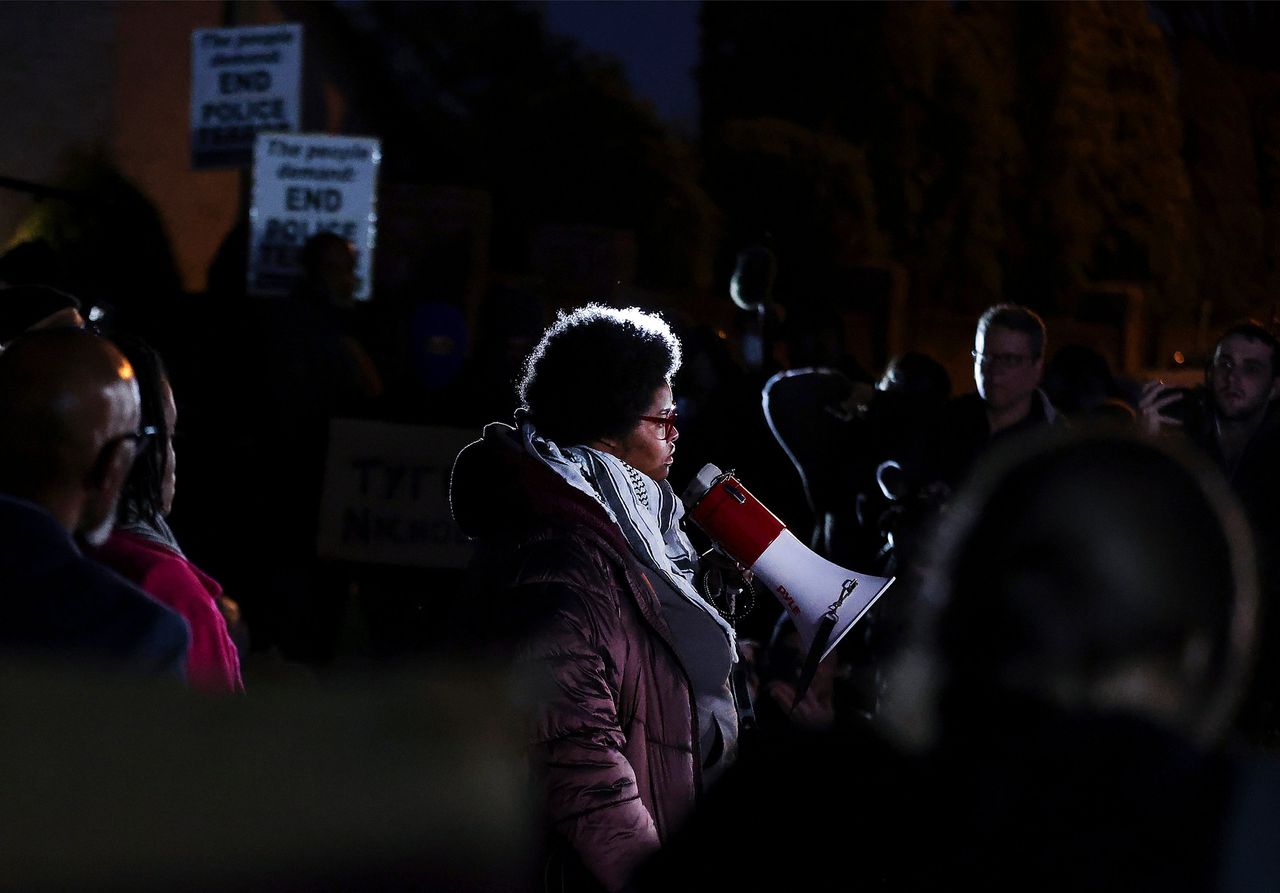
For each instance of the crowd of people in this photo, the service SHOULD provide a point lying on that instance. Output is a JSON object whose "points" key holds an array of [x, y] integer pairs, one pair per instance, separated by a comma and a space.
{"points": [[1074, 682]]}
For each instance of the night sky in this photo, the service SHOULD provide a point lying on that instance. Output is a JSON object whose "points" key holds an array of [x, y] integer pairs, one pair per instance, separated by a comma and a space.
{"points": [[655, 40]]}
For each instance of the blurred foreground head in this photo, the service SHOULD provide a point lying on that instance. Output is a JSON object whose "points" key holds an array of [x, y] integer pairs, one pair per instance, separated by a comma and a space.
{"points": [[1088, 572], [69, 414]]}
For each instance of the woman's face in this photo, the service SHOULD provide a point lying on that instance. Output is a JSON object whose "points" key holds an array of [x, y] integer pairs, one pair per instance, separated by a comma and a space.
{"points": [[170, 481], [645, 447]]}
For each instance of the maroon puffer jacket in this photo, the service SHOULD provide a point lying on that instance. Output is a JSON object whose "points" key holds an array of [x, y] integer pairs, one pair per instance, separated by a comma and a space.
{"points": [[614, 740]]}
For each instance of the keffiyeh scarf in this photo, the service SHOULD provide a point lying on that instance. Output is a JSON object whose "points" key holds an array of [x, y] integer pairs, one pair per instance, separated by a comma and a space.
{"points": [[154, 528], [646, 511]]}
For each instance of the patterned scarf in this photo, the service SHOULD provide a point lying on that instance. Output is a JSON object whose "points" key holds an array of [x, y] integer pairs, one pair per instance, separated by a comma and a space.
{"points": [[154, 528], [646, 511]]}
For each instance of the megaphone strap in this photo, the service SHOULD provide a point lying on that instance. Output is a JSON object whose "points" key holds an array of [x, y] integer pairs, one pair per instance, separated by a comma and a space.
{"points": [[814, 657], [820, 638]]}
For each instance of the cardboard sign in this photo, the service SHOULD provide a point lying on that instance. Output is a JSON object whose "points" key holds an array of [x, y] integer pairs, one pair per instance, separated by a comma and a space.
{"points": [[386, 495], [303, 185], [243, 81]]}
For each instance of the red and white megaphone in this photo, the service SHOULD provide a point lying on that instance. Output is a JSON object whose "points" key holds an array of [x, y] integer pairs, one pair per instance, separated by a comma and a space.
{"points": [[823, 599]]}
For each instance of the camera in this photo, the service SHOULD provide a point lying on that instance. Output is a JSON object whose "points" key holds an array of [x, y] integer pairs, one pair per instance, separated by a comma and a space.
{"points": [[1191, 409]]}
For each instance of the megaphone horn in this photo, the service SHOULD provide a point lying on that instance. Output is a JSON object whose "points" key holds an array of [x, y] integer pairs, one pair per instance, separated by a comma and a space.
{"points": [[823, 599]]}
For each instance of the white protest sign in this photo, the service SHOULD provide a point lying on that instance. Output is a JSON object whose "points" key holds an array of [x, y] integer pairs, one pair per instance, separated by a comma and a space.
{"points": [[386, 499], [243, 81], [305, 184]]}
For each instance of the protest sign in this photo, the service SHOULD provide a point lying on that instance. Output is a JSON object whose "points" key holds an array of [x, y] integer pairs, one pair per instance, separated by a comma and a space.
{"points": [[243, 81], [386, 499], [304, 184]]}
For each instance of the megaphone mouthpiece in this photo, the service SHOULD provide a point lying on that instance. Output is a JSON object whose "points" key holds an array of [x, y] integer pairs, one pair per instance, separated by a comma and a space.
{"points": [[703, 481]]}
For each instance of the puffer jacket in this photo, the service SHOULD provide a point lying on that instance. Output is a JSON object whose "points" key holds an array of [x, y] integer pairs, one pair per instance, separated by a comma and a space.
{"points": [[613, 734]]}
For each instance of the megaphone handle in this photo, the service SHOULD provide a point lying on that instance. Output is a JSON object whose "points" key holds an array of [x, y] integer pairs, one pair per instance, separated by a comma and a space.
{"points": [[814, 657], [731, 612]]}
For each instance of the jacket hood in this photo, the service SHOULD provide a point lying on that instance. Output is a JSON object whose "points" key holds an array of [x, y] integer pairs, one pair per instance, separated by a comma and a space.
{"points": [[498, 491]]}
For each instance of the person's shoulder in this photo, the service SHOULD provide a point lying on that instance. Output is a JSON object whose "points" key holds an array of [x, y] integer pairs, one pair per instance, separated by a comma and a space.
{"points": [[1269, 430], [115, 592], [25, 525], [172, 580], [964, 415], [99, 605], [131, 555], [1043, 412], [555, 578], [970, 404], [582, 555]]}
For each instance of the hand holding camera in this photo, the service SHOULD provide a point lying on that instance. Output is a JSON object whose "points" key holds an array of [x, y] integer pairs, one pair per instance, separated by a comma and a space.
{"points": [[1161, 407]]}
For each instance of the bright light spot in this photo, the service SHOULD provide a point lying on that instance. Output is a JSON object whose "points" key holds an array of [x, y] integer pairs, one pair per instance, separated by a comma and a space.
{"points": [[124, 370], [1178, 357], [95, 313]]}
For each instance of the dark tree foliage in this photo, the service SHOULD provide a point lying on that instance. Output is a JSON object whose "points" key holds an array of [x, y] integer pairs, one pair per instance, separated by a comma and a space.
{"points": [[1023, 151], [480, 94]]}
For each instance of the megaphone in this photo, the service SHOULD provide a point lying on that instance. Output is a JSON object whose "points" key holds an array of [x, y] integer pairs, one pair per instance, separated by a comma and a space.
{"points": [[823, 599]]}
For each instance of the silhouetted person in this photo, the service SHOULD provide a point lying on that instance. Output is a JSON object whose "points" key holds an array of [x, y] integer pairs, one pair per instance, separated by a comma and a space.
{"points": [[1083, 639], [727, 424], [804, 409], [328, 270], [1079, 382], [33, 262], [28, 308], [326, 286], [887, 441], [751, 289], [915, 375], [1236, 419], [294, 367], [509, 325], [69, 416]]}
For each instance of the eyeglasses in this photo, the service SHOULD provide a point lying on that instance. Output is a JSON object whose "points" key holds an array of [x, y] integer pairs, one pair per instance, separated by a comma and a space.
{"points": [[1247, 368], [1000, 360], [139, 438], [667, 421]]}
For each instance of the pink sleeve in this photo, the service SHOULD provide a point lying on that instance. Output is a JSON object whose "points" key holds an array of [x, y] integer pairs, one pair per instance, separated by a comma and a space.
{"points": [[212, 663]]}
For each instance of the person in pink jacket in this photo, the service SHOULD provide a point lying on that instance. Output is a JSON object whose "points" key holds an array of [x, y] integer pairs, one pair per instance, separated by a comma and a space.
{"points": [[143, 549]]}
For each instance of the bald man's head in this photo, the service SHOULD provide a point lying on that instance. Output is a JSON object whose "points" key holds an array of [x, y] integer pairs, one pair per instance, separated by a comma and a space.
{"points": [[68, 405]]}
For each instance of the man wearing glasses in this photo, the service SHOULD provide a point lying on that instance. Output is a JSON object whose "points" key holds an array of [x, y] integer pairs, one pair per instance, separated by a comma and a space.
{"points": [[1008, 364], [69, 415]]}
